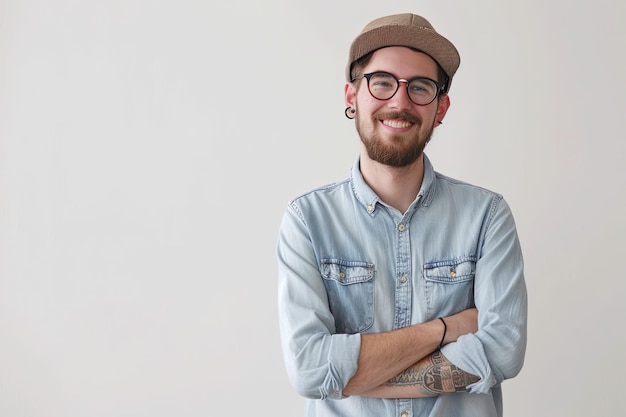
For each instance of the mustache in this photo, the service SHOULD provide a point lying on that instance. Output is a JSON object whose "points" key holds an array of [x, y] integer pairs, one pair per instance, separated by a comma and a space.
{"points": [[397, 115]]}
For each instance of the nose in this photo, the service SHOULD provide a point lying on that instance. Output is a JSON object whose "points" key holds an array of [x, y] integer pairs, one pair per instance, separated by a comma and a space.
{"points": [[401, 99]]}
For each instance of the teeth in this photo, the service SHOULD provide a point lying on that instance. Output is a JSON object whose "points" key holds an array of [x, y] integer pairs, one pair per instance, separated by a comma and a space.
{"points": [[398, 124]]}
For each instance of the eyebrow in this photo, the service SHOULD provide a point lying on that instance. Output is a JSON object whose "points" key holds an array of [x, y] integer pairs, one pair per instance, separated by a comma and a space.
{"points": [[407, 79]]}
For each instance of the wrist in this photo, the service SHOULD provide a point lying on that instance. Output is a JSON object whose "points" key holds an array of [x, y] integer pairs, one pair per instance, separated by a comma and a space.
{"points": [[443, 334]]}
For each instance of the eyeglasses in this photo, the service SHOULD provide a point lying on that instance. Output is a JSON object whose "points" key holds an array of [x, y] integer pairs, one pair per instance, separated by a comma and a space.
{"points": [[383, 86]]}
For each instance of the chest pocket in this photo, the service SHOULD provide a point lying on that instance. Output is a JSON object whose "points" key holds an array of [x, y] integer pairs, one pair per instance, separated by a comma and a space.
{"points": [[350, 289], [450, 285]]}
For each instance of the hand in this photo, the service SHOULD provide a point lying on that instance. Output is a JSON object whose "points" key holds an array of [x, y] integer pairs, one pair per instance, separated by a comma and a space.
{"points": [[461, 323]]}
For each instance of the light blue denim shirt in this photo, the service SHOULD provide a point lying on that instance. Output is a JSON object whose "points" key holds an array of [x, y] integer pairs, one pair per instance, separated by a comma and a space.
{"points": [[350, 264]]}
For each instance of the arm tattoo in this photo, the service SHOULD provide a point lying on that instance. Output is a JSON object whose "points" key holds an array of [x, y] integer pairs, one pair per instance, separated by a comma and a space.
{"points": [[436, 375]]}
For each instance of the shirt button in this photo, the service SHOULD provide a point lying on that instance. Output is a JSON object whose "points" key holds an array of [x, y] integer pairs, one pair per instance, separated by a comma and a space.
{"points": [[342, 275], [453, 273], [401, 227], [403, 279], [370, 209], [404, 414]]}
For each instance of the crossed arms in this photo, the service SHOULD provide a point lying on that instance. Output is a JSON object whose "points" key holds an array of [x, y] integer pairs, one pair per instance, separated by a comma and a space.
{"points": [[404, 363]]}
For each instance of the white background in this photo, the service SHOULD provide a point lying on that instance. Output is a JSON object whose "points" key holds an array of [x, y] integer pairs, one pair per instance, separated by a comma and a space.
{"points": [[148, 149]]}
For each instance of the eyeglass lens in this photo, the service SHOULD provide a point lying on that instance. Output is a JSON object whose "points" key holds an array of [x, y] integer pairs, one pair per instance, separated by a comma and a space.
{"points": [[383, 86]]}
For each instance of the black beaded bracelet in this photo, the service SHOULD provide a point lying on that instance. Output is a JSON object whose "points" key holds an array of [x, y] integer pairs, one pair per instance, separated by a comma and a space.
{"points": [[445, 328]]}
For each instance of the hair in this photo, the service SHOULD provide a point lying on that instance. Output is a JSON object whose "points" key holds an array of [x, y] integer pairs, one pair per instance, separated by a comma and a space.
{"points": [[362, 62]]}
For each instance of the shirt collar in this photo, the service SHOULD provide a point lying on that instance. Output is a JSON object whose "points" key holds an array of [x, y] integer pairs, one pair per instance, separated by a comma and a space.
{"points": [[368, 198]]}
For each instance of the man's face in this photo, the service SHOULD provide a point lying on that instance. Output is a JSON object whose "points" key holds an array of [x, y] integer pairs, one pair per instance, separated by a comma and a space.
{"points": [[394, 132]]}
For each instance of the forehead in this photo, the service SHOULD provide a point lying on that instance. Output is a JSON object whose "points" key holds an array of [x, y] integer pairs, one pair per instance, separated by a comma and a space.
{"points": [[402, 62]]}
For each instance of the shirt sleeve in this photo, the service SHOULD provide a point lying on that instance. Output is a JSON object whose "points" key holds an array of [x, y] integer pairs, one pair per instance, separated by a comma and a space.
{"points": [[496, 351], [319, 363]]}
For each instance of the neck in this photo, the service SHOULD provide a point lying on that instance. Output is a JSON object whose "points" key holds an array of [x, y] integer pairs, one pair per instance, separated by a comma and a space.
{"points": [[397, 187]]}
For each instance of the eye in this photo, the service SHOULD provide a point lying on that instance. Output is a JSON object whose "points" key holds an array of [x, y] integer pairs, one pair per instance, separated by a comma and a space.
{"points": [[422, 86], [417, 88], [382, 80]]}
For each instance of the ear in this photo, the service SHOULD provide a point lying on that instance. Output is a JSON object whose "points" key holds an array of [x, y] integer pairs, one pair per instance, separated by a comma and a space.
{"points": [[443, 104], [349, 91]]}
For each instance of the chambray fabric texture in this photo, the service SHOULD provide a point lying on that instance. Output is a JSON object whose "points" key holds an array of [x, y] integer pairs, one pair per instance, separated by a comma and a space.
{"points": [[349, 264]]}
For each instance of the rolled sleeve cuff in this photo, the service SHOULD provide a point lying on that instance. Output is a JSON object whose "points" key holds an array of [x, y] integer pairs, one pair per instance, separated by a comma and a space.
{"points": [[468, 354], [342, 365]]}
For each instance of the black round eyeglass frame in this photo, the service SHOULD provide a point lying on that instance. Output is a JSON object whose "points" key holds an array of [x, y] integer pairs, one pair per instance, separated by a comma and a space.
{"points": [[438, 90]]}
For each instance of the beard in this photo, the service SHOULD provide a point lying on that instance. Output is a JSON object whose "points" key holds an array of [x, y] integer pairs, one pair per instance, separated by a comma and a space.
{"points": [[398, 150]]}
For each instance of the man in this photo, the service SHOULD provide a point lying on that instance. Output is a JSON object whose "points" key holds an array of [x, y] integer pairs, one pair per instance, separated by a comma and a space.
{"points": [[401, 291]]}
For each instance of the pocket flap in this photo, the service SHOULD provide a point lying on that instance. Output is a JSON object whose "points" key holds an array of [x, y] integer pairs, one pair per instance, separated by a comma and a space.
{"points": [[347, 272], [451, 271]]}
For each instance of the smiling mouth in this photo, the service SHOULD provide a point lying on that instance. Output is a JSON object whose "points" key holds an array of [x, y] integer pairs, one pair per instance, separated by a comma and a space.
{"points": [[397, 119], [397, 123]]}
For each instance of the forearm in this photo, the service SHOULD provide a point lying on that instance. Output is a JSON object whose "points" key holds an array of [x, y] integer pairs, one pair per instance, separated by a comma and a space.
{"points": [[429, 377], [384, 356]]}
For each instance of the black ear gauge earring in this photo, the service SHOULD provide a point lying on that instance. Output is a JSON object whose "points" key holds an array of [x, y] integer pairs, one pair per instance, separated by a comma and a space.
{"points": [[351, 112]]}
